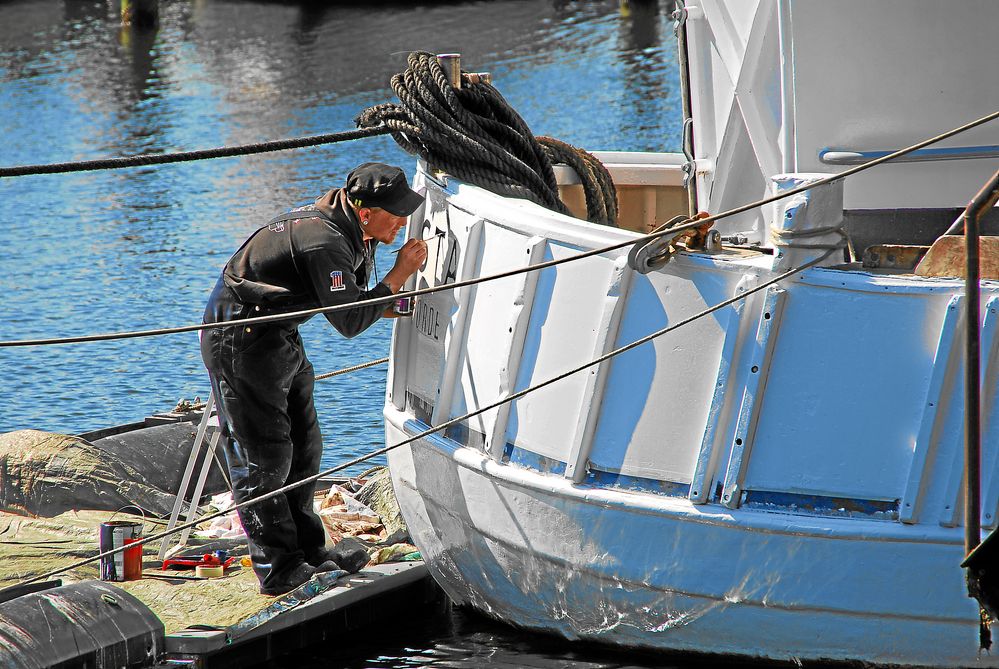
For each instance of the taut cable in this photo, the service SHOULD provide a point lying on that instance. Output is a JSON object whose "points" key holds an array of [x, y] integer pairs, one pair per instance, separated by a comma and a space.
{"points": [[442, 426], [187, 156]]}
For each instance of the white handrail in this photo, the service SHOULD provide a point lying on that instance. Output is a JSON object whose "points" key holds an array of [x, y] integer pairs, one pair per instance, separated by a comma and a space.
{"points": [[853, 157]]}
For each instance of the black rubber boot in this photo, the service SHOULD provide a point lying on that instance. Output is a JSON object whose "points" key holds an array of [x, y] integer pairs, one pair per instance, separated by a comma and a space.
{"points": [[349, 553], [319, 556], [299, 575]]}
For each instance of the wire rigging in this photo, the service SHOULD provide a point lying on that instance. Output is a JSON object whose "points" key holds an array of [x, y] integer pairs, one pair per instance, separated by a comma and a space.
{"points": [[353, 368], [489, 145], [443, 426]]}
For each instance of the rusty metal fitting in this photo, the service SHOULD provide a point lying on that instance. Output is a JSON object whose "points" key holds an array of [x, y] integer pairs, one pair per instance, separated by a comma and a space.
{"points": [[479, 77]]}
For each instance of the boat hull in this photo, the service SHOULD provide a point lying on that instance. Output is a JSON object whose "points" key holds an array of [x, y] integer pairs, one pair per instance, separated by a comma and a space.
{"points": [[661, 573], [750, 449]]}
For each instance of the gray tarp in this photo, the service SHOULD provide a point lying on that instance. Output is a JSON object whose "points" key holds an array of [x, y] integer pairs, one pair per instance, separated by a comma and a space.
{"points": [[45, 474]]}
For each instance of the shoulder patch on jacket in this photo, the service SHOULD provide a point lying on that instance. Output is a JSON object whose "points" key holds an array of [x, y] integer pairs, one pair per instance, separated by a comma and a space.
{"points": [[336, 281]]}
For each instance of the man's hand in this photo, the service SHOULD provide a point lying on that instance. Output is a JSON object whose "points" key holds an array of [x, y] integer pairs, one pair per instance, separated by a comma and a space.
{"points": [[411, 257]]}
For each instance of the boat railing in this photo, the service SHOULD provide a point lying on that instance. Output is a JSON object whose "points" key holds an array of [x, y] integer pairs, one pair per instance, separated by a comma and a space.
{"points": [[650, 187], [856, 157]]}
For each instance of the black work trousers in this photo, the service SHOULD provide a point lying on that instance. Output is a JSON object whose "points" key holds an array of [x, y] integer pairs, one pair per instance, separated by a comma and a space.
{"points": [[263, 384]]}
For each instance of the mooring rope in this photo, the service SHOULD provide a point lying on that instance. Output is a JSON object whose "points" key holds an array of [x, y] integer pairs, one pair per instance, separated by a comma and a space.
{"points": [[655, 234], [187, 156], [473, 133], [470, 132], [431, 430]]}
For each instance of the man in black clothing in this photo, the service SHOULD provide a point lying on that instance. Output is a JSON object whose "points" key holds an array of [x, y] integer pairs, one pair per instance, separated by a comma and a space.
{"points": [[311, 257]]}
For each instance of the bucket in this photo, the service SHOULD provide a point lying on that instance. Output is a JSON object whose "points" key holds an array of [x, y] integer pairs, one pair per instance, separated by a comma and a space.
{"points": [[124, 565]]}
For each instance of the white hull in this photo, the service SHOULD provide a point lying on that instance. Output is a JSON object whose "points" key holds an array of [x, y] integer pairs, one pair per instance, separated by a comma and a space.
{"points": [[627, 507], [666, 574], [780, 478]]}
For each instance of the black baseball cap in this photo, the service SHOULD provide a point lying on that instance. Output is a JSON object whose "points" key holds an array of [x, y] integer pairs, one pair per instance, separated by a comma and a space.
{"points": [[383, 186]]}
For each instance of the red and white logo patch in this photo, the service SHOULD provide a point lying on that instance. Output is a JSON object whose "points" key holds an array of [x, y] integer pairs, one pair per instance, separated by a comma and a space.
{"points": [[336, 281]]}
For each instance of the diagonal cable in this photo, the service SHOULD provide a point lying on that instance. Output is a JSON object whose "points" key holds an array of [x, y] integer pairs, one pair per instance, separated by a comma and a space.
{"points": [[353, 368], [442, 426]]}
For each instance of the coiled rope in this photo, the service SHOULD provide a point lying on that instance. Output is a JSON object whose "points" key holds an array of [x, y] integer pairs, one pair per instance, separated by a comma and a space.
{"points": [[187, 156], [472, 133], [661, 231]]}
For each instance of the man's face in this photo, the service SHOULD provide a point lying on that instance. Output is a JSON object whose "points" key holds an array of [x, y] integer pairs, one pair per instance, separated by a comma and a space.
{"points": [[383, 226]]}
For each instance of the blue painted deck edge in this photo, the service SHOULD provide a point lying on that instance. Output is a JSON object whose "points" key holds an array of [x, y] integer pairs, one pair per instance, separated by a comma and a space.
{"points": [[458, 435], [522, 457], [761, 500], [845, 507]]}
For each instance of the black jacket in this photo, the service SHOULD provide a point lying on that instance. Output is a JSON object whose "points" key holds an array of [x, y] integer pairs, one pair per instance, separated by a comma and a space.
{"points": [[290, 265]]}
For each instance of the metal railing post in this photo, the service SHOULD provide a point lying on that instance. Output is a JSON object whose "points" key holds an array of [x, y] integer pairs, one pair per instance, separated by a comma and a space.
{"points": [[983, 201], [451, 62], [680, 17]]}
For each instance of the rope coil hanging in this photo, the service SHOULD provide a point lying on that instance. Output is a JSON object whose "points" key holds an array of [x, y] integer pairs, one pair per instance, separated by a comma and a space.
{"points": [[472, 133]]}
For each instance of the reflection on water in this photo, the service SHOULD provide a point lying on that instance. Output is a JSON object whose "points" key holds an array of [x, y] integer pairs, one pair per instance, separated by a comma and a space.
{"points": [[463, 639]]}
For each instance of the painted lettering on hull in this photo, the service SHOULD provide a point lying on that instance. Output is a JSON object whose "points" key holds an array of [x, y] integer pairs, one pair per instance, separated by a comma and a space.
{"points": [[427, 320]]}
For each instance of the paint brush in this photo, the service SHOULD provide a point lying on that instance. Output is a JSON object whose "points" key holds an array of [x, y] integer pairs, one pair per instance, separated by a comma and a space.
{"points": [[424, 239]]}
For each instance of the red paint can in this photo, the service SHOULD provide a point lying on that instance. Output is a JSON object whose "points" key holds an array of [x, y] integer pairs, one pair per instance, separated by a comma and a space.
{"points": [[125, 565]]}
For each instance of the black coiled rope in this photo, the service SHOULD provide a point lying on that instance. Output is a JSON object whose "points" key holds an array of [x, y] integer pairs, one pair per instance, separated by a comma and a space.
{"points": [[472, 133]]}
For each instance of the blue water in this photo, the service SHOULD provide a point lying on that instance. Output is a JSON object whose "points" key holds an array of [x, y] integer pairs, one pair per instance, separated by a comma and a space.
{"points": [[141, 248]]}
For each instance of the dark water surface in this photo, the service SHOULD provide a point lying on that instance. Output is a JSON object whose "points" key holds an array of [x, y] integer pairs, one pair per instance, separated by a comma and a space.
{"points": [[461, 639], [141, 248]]}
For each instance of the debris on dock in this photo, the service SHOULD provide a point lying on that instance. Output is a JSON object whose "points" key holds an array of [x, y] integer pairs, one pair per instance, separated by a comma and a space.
{"points": [[30, 546]]}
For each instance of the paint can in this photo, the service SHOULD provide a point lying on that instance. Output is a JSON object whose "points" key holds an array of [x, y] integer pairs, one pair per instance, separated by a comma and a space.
{"points": [[125, 565], [403, 306]]}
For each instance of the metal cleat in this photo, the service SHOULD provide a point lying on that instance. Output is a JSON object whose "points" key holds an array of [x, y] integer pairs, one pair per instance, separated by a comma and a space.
{"points": [[701, 238], [643, 258]]}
